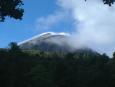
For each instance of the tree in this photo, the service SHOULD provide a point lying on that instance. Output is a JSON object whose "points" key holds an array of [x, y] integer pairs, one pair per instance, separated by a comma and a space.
{"points": [[11, 8], [109, 2], [113, 55], [14, 47]]}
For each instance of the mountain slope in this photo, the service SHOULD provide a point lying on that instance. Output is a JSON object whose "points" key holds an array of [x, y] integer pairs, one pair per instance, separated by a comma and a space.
{"points": [[56, 42], [51, 42]]}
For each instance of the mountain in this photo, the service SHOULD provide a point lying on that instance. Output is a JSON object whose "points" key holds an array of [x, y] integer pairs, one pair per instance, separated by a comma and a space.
{"points": [[51, 42]]}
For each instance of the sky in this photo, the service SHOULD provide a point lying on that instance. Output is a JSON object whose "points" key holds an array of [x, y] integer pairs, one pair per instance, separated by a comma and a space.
{"points": [[16, 31], [90, 23]]}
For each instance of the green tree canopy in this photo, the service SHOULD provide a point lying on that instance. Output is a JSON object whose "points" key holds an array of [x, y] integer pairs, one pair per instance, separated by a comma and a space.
{"points": [[11, 8]]}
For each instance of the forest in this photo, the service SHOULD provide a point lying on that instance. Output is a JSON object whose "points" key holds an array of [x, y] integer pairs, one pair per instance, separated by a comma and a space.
{"points": [[22, 68]]}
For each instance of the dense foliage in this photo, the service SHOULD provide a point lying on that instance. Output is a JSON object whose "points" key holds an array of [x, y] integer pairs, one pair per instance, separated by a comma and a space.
{"points": [[11, 8], [42, 69], [108, 2]]}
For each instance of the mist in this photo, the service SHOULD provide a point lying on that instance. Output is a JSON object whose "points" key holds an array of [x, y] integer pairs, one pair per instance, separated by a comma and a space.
{"points": [[94, 24]]}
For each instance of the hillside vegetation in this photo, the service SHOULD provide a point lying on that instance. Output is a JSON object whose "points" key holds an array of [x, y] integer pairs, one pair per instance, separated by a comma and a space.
{"points": [[47, 69]]}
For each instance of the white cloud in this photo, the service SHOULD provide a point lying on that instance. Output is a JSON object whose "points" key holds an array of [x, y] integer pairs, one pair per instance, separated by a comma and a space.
{"points": [[45, 23], [94, 23]]}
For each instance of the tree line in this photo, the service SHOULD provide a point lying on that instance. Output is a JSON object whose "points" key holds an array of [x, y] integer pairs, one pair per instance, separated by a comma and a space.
{"points": [[31, 68]]}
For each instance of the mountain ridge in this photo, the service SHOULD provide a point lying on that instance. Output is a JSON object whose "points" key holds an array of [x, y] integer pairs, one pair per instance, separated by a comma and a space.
{"points": [[43, 34], [51, 42]]}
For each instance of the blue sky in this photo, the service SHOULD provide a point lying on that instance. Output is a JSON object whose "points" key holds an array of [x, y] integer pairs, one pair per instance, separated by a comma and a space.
{"points": [[16, 31]]}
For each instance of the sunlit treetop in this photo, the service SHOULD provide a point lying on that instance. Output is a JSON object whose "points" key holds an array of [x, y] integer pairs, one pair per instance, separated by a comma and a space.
{"points": [[11, 8]]}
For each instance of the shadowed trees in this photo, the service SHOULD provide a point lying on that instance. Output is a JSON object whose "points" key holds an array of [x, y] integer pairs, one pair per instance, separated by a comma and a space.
{"points": [[11, 8], [34, 68], [14, 47], [108, 2]]}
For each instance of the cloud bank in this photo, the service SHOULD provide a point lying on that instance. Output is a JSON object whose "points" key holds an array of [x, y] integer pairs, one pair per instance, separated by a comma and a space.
{"points": [[94, 24]]}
